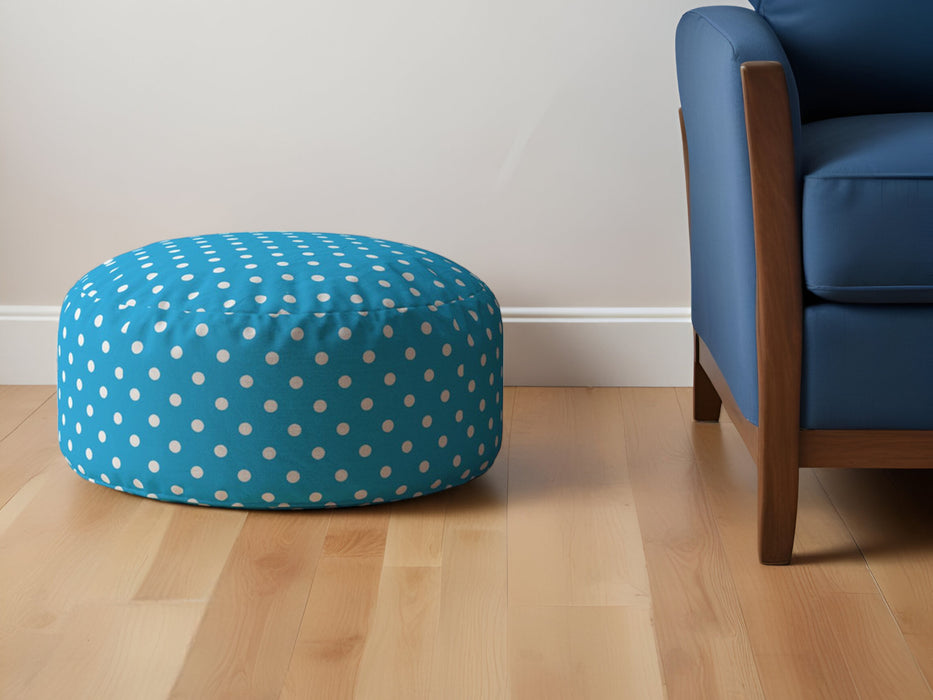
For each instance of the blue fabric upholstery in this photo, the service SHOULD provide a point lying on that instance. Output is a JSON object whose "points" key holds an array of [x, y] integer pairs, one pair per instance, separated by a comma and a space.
{"points": [[856, 56], [712, 44], [868, 208], [867, 367], [280, 370]]}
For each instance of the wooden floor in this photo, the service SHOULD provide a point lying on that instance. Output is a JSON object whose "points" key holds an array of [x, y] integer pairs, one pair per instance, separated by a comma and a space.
{"points": [[609, 554]]}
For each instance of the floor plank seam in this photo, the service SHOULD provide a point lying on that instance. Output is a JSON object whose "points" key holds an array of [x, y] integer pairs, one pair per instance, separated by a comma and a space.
{"points": [[878, 587], [687, 424], [28, 416]]}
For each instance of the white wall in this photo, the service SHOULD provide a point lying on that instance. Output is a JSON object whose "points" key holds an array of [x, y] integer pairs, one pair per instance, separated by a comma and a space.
{"points": [[534, 141]]}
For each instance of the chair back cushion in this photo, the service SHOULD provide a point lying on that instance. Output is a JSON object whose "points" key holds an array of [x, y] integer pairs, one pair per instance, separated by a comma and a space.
{"points": [[855, 57]]}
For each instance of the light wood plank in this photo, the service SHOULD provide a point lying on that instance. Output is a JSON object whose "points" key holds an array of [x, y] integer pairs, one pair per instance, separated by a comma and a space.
{"points": [[574, 537], [334, 629], [192, 553], [29, 450], [791, 613], [398, 653], [583, 652], [245, 640], [359, 532], [18, 402], [415, 535], [117, 651], [888, 513], [704, 646], [77, 544], [470, 655]]}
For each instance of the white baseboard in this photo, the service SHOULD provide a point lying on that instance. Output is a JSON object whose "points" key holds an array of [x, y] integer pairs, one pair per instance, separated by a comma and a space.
{"points": [[559, 346]]}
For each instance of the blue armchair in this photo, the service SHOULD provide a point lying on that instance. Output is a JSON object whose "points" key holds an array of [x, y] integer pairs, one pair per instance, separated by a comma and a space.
{"points": [[808, 142]]}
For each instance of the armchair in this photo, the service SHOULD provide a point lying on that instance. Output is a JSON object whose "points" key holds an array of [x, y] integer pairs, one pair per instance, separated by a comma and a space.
{"points": [[808, 147]]}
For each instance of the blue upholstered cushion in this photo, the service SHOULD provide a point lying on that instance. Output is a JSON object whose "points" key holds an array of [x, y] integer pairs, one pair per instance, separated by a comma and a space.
{"points": [[280, 370], [867, 366], [868, 208], [856, 56], [712, 44]]}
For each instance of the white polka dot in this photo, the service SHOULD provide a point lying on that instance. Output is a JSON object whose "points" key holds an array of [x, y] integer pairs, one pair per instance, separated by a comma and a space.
{"points": [[223, 355], [344, 333], [198, 378], [244, 475], [136, 347], [388, 303], [323, 296], [409, 353], [134, 394], [365, 450], [137, 483], [268, 497], [154, 420], [176, 352], [177, 490], [356, 298], [115, 462], [197, 472], [407, 446], [249, 332], [201, 329], [429, 375], [220, 495], [446, 350], [297, 334], [369, 357], [442, 441], [174, 446], [154, 373], [102, 392], [117, 418], [385, 472], [445, 396], [221, 403], [292, 477], [296, 382], [400, 490], [315, 497], [246, 381], [118, 372], [294, 430], [341, 475], [160, 326], [268, 452], [424, 466], [272, 358], [360, 495], [389, 379], [388, 426], [409, 400], [220, 450], [197, 425], [271, 406], [318, 453], [387, 331], [321, 358], [343, 428], [344, 381], [426, 328], [174, 399], [366, 404], [153, 466]]}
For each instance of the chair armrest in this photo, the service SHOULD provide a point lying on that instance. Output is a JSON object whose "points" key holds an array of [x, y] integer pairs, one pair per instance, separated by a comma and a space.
{"points": [[712, 44]]}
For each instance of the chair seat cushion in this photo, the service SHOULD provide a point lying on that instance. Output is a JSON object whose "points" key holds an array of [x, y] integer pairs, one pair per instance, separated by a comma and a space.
{"points": [[868, 208]]}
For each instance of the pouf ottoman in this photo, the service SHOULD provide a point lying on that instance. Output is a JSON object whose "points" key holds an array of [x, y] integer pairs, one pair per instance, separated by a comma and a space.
{"points": [[280, 370]]}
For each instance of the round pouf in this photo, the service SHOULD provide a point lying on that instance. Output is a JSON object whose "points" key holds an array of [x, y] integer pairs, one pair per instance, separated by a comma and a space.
{"points": [[280, 370]]}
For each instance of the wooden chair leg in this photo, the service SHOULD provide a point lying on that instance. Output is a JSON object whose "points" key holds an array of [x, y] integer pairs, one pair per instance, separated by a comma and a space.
{"points": [[707, 403], [777, 508]]}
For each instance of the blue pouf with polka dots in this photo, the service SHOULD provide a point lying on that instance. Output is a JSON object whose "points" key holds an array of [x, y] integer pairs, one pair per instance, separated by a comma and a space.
{"points": [[280, 370]]}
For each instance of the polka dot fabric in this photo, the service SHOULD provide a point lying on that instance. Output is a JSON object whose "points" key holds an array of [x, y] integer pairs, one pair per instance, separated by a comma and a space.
{"points": [[280, 370]]}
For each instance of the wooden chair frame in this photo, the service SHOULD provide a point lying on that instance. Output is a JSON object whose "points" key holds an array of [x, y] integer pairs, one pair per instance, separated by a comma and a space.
{"points": [[780, 448]]}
